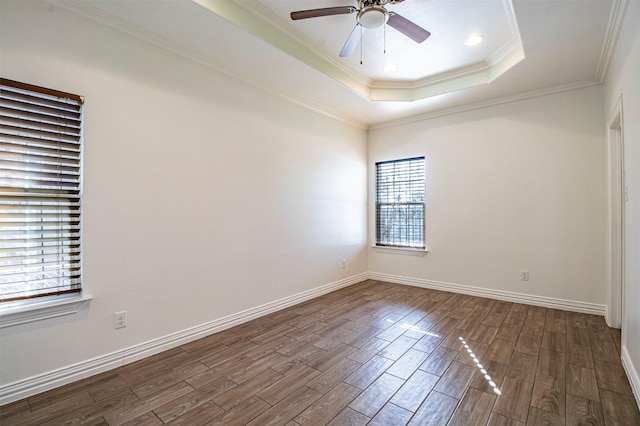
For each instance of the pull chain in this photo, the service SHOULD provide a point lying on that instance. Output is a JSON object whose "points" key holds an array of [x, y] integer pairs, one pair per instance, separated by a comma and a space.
{"points": [[361, 43], [384, 38]]}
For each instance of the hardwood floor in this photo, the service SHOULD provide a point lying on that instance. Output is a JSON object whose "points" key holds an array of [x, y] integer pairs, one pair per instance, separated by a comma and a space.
{"points": [[373, 353]]}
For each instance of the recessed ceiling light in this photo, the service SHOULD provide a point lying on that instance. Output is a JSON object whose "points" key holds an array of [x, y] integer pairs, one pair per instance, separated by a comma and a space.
{"points": [[390, 67], [473, 40]]}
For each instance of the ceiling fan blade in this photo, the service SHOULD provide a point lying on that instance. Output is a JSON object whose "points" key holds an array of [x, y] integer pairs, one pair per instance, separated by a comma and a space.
{"points": [[326, 11], [352, 41], [408, 28]]}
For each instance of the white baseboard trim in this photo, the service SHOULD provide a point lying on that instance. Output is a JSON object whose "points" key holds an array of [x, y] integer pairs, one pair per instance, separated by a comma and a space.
{"points": [[508, 296], [43, 382], [632, 374]]}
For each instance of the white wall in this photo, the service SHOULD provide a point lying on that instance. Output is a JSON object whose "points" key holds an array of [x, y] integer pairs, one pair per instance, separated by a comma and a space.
{"points": [[203, 196], [509, 187], [622, 80]]}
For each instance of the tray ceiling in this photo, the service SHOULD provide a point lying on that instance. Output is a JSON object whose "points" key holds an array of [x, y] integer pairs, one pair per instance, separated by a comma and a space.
{"points": [[441, 64], [530, 48]]}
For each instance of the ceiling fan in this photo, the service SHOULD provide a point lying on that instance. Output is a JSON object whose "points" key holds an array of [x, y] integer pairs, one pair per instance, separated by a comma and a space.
{"points": [[371, 14]]}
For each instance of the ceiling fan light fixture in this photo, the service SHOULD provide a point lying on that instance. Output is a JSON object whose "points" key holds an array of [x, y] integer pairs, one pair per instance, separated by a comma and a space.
{"points": [[373, 17]]}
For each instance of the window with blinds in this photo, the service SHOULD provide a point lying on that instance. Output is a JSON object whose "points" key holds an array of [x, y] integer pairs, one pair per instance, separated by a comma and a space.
{"points": [[40, 156], [400, 203]]}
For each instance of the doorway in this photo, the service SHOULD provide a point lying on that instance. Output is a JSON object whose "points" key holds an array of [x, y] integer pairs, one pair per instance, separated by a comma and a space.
{"points": [[615, 217]]}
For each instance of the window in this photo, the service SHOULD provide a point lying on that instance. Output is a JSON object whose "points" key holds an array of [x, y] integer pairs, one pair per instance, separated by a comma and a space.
{"points": [[400, 203], [40, 156]]}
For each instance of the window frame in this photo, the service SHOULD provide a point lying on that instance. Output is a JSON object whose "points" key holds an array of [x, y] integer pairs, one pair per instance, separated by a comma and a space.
{"points": [[396, 246], [43, 137]]}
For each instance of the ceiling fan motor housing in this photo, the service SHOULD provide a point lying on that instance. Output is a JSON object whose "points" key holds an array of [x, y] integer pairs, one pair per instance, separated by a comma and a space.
{"points": [[367, 3]]}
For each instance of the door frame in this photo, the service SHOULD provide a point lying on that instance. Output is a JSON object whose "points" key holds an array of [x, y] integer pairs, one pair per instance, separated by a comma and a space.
{"points": [[615, 217]]}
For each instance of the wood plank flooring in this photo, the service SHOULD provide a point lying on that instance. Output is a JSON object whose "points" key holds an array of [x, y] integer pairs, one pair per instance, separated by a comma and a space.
{"points": [[373, 353]]}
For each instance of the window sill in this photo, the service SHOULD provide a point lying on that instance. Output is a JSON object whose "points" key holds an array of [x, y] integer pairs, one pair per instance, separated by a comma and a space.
{"points": [[23, 312], [401, 250]]}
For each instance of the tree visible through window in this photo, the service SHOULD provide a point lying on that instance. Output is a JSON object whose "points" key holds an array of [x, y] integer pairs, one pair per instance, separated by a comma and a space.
{"points": [[40, 151], [400, 203]]}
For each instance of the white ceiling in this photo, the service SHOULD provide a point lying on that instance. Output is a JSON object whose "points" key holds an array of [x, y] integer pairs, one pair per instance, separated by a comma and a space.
{"points": [[531, 47]]}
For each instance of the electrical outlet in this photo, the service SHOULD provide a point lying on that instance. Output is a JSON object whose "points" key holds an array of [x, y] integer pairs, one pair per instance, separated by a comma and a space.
{"points": [[524, 275], [344, 263], [120, 319]]}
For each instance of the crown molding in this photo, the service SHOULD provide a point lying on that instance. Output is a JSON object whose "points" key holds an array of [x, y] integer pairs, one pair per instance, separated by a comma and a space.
{"points": [[462, 78], [485, 104], [611, 37], [431, 80], [91, 12], [505, 58]]}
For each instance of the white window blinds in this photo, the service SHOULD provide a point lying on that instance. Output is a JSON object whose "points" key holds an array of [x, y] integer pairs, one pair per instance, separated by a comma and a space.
{"points": [[400, 203], [40, 156]]}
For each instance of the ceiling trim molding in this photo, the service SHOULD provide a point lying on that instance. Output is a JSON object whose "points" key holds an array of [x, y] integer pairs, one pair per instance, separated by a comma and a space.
{"points": [[485, 104], [505, 58], [260, 21], [318, 108], [513, 51], [95, 14], [616, 17], [473, 75]]}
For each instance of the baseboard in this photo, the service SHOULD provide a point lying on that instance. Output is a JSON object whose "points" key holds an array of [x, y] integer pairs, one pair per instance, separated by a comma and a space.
{"points": [[508, 296], [632, 374], [43, 382]]}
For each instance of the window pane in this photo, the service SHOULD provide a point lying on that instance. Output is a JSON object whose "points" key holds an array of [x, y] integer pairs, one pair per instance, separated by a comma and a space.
{"points": [[400, 203]]}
